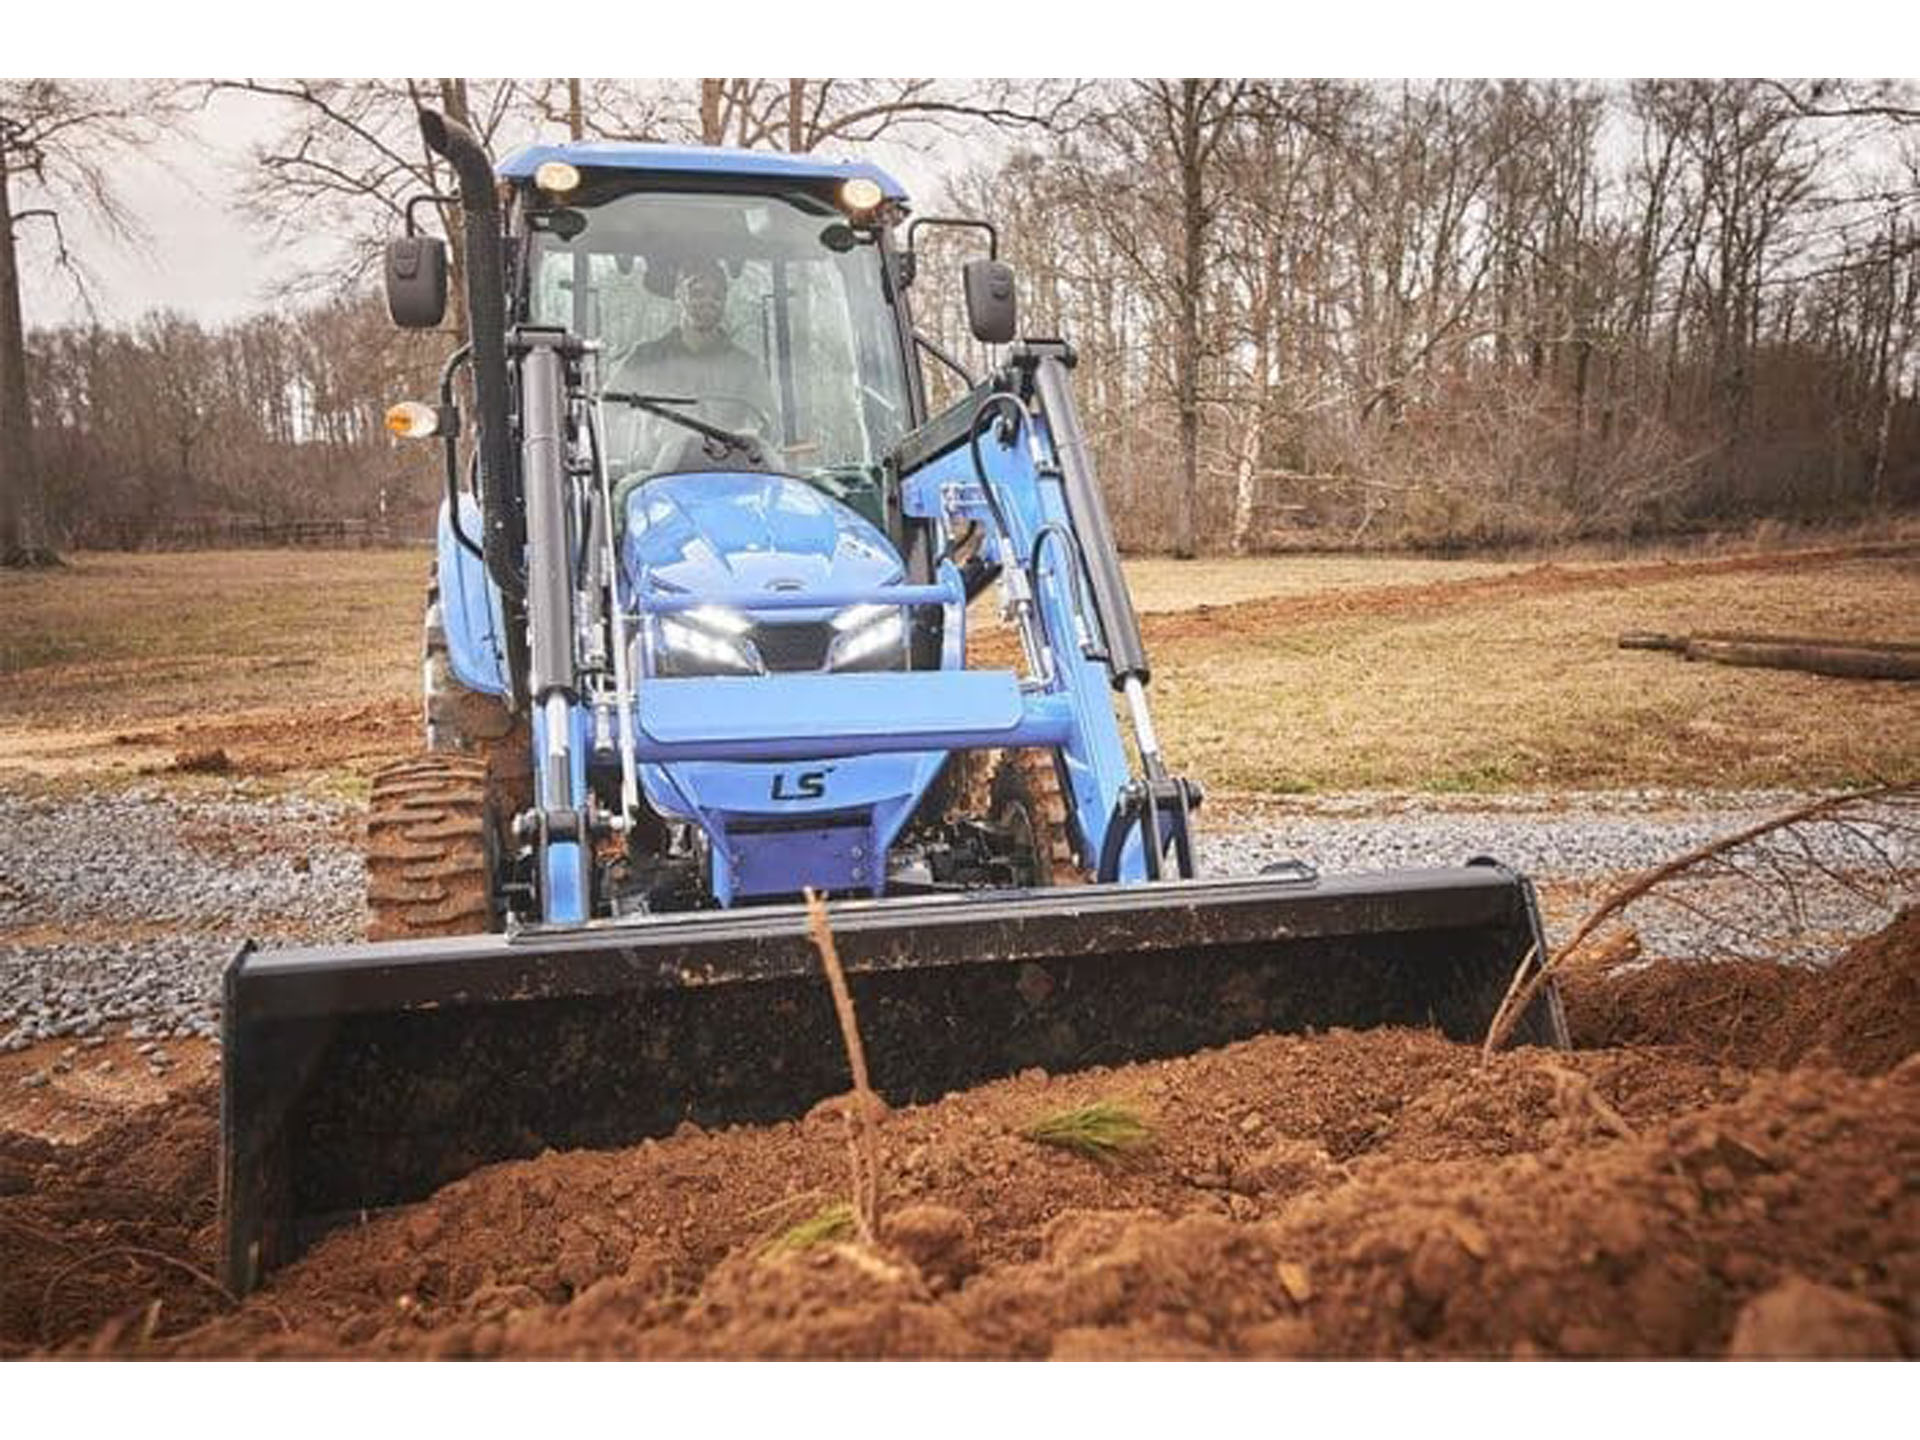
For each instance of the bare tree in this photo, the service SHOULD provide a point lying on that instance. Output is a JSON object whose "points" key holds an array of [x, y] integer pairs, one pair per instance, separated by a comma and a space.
{"points": [[58, 139], [349, 158], [803, 115]]}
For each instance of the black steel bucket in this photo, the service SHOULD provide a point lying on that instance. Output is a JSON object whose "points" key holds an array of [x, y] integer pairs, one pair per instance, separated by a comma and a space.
{"points": [[368, 1076]]}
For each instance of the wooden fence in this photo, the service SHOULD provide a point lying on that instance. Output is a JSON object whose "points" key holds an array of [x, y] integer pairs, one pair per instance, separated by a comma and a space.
{"points": [[234, 533]]}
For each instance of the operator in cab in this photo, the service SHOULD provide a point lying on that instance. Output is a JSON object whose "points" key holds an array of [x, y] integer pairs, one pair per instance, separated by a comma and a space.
{"points": [[697, 360]]}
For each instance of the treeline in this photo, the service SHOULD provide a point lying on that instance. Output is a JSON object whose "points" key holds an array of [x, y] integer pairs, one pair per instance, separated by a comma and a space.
{"points": [[1308, 312], [1476, 312], [172, 432]]}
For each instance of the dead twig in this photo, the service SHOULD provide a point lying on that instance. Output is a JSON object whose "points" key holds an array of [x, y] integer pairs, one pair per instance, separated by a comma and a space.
{"points": [[1573, 1092], [1522, 993], [860, 1143], [139, 1252]]}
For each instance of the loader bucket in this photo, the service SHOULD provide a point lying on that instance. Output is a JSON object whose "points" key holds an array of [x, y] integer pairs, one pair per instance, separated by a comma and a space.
{"points": [[365, 1077]]}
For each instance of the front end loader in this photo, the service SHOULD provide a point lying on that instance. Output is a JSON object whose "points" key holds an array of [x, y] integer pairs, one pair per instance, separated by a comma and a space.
{"points": [[696, 645]]}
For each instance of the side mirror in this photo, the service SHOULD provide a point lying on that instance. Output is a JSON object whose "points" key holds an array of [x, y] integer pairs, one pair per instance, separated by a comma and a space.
{"points": [[417, 281], [990, 303]]}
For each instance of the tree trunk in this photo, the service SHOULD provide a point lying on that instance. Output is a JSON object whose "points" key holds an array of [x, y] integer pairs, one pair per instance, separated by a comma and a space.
{"points": [[1193, 219], [453, 100], [20, 537], [796, 116]]}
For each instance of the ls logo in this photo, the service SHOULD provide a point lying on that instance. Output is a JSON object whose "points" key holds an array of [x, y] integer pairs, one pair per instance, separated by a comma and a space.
{"points": [[800, 785]]}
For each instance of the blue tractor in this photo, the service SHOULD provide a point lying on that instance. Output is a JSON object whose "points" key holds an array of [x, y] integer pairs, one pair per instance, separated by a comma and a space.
{"points": [[697, 644]]}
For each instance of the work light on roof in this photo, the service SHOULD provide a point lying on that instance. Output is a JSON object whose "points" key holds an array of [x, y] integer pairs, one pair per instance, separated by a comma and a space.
{"points": [[557, 177], [860, 195]]}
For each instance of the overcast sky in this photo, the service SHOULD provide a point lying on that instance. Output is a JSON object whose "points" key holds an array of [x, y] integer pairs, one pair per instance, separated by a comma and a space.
{"points": [[196, 257], [199, 257]]}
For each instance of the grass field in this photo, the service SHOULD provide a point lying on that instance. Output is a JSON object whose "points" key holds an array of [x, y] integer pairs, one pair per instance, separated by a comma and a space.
{"points": [[1528, 689], [1306, 674]]}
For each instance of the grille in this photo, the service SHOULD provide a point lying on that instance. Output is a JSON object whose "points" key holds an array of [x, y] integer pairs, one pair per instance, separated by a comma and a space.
{"points": [[793, 646]]}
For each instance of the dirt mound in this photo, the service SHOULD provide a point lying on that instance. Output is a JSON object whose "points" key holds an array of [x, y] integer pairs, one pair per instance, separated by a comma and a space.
{"points": [[1383, 1193], [114, 1236], [1862, 1013], [1593, 1235]]}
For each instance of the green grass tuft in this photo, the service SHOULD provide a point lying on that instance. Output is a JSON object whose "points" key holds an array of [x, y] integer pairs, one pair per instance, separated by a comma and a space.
{"points": [[1102, 1131], [831, 1224]]}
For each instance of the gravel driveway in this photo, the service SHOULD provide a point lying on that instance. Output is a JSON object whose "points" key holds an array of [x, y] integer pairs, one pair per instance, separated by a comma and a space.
{"points": [[121, 910]]}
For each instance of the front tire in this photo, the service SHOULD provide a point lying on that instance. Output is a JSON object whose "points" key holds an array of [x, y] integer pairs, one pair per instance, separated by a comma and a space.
{"points": [[432, 849], [1030, 804]]}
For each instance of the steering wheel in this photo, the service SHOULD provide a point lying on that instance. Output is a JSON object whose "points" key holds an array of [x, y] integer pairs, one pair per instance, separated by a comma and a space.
{"points": [[762, 427]]}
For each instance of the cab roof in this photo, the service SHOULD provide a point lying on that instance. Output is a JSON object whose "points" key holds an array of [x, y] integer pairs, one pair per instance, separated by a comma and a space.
{"points": [[696, 160]]}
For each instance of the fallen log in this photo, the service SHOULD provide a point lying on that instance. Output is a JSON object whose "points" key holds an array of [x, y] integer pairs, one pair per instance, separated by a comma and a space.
{"points": [[1847, 659]]}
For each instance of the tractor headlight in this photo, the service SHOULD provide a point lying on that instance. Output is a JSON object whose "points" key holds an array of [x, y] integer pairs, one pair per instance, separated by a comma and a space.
{"points": [[869, 637], [709, 640]]}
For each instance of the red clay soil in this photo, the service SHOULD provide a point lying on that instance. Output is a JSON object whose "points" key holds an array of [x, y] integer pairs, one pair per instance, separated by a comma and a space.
{"points": [[270, 742], [1862, 1015], [1378, 1194]]}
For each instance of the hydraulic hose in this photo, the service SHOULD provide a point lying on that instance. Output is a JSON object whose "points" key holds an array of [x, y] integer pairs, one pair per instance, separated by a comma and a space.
{"points": [[447, 372]]}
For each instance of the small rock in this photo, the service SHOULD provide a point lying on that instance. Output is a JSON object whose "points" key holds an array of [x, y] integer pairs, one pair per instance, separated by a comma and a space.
{"points": [[62, 1067], [33, 1080], [105, 1067], [1293, 1279], [1800, 1320], [1253, 1124], [148, 1047], [1472, 1238], [93, 1042]]}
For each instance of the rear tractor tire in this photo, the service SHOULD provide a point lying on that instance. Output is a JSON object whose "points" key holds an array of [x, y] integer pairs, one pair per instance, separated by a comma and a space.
{"points": [[1029, 802], [432, 849]]}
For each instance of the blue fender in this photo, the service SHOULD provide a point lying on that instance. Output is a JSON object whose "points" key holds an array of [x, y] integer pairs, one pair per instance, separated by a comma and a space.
{"points": [[470, 606]]}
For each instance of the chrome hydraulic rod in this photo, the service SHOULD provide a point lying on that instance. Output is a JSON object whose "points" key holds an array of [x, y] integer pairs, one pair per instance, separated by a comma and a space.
{"points": [[617, 618]]}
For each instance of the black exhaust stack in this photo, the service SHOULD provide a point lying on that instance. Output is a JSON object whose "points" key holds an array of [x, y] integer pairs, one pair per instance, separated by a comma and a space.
{"points": [[504, 538]]}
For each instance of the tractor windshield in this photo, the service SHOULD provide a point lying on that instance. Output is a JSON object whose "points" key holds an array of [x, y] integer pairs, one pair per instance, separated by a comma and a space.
{"points": [[760, 315]]}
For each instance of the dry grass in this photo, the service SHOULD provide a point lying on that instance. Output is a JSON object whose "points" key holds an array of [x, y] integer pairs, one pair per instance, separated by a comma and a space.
{"points": [[130, 637], [1376, 688], [1102, 1130], [1531, 690]]}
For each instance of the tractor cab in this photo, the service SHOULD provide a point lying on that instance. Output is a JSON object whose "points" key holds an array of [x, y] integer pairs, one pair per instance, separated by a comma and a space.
{"points": [[743, 308]]}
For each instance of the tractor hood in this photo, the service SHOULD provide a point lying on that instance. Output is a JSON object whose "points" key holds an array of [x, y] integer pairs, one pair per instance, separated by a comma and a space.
{"points": [[723, 532]]}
